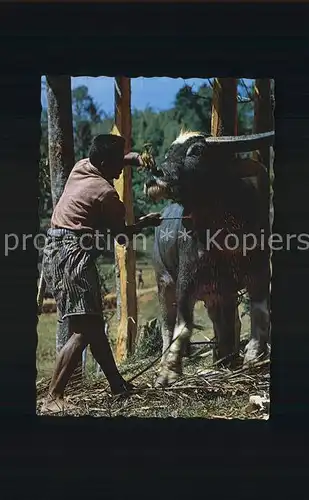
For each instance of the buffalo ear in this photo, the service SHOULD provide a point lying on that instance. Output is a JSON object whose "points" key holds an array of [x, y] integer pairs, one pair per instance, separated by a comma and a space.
{"points": [[196, 149]]}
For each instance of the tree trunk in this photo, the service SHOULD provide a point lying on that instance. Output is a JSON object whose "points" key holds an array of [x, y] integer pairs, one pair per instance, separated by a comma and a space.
{"points": [[61, 162], [60, 133]]}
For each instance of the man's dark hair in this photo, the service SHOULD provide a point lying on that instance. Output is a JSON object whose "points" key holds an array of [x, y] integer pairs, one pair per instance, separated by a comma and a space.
{"points": [[106, 148]]}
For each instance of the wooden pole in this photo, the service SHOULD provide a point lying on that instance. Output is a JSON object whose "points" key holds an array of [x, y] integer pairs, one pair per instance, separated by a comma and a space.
{"points": [[224, 107], [263, 115], [125, 257], [264, 122], [224, 122], [61, 162]]}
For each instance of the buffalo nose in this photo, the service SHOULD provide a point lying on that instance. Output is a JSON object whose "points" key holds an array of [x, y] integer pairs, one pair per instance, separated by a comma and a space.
{"points": [[159, 172], [150, 182]]}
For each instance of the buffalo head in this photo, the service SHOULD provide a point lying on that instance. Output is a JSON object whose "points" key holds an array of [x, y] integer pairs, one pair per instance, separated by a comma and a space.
{"points": [[195, 163]]}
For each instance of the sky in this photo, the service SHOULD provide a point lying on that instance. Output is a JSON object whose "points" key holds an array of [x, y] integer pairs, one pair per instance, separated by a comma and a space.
{"points": [[158, 92]]}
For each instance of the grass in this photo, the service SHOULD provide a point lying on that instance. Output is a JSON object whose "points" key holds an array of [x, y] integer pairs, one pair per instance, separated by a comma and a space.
{"points": [[46, 345]]}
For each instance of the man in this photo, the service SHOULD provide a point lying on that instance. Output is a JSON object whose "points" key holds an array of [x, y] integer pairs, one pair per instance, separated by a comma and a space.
{"points": [[89, 203], [140, 283]]}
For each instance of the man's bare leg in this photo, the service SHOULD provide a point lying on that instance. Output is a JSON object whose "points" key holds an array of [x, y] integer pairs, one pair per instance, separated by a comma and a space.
{"points": [[102, 353], [90, 331], [66, 363]]}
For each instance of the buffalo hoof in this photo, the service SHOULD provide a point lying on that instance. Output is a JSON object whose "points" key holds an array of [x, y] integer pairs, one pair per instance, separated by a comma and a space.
{"points": [[166, 377], [170, 372], [253, 351]]}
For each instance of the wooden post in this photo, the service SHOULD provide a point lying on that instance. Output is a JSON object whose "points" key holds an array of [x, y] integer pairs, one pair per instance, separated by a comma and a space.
{"points": [[224, 107], [264, 122], [125, 257], [61, 161], [263, 115], [224, 122]]}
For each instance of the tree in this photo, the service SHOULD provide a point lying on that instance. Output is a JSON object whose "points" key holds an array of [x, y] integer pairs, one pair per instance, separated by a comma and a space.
{"points": [[61, 157], [86, 113], [45, 201], [245, 108], [194, 108]]}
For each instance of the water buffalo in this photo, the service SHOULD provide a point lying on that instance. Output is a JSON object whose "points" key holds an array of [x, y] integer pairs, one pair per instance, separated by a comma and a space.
{"points": [[202, 257]]}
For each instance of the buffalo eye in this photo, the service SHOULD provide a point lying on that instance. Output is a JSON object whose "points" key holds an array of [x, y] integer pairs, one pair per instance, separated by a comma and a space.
{"points": [[196, 149]]}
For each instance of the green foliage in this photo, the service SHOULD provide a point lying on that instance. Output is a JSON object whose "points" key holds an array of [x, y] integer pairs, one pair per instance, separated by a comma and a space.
{"points": [[245, 109], [86, 114], [191, 110], [150, 340], [106, 276]]}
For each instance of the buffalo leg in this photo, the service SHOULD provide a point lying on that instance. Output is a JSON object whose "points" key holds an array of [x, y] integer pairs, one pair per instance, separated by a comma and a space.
{"points": [[260, 326], [167, 302], [227, 326], [172, 366]]}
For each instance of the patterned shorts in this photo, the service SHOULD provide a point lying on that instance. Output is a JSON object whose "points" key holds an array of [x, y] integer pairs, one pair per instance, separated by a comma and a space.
{"points": [[71, 273]]}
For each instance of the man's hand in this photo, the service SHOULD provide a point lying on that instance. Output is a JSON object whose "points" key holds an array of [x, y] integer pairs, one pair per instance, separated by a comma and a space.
{"points": [[150, 220], [133, 159]]}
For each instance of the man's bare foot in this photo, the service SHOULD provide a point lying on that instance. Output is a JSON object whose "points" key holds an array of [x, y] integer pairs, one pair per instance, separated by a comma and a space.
{"points": [[57, 405]]}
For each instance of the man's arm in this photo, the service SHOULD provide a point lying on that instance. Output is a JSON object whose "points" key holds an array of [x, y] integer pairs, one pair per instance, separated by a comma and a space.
{"points": [[113, 217], [119, 232]]}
